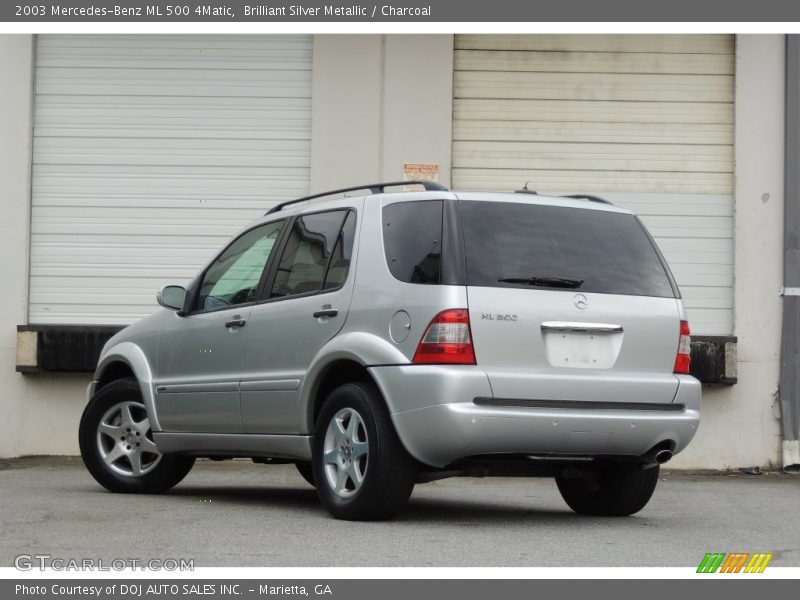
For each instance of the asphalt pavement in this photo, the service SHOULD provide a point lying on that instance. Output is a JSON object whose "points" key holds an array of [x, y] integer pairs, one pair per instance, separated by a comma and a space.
{"points": [[236, 513]]}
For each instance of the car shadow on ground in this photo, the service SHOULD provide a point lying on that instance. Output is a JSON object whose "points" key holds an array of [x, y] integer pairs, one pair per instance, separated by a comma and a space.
{"points": [[437, 510]]}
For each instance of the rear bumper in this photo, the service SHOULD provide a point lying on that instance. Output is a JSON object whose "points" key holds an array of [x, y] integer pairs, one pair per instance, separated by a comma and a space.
{"points": [[437, 419]]}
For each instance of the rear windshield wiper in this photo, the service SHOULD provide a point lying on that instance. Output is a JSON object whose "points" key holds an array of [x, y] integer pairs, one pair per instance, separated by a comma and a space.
{"points": [[560, 282]]}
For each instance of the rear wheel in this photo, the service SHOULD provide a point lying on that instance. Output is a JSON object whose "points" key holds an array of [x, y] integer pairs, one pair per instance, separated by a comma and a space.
{"points": [[612, 489], [361, 469], [117, 445]]}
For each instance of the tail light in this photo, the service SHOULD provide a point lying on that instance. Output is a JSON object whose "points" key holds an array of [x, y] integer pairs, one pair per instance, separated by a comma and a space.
{"points": [[447, 340], [684, 350]]}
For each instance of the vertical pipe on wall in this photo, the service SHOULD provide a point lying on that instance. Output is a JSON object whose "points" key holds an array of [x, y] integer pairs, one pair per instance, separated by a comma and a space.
{"points": [[790, 342]]}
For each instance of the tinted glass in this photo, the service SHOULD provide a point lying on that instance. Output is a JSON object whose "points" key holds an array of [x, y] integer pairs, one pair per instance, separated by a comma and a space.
{"points": [[610, 252], [309, 248], [412, 240], [234, 277], [342, 253]]}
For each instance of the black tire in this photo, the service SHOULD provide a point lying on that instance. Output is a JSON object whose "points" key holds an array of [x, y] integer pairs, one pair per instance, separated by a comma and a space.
{"points": [[306, 471], [156, 474], [388, 471], [612, 489]]}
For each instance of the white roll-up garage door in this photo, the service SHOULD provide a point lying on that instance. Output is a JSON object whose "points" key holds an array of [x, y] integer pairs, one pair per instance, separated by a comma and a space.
{"points": [[149, 152], [646, 121]]}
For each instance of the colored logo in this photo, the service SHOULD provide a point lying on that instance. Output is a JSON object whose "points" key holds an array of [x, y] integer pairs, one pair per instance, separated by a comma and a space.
{"points": [[735, 562]]}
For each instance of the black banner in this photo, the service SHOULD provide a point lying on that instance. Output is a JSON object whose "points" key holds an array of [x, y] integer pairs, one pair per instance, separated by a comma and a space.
{"points": [[472, 11], [733, 588]]}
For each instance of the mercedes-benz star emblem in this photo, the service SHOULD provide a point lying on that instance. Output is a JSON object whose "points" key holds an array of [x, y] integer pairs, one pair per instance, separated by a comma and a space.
{"points": [[580, 301]]}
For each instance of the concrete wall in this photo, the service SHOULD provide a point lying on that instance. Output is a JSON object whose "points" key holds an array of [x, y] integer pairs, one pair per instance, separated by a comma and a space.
{"points": [[346, 106], [741, 424], [40, 414], [418, 103], [380, 101]]}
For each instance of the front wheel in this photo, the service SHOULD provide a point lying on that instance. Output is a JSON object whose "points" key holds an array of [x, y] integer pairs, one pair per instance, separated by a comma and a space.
{"points": [[361, 469], [117, 445], [612, 489]]}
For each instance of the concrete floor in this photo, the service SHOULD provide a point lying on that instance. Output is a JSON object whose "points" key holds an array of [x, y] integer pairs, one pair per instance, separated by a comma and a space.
{"points": [[241, 514]]}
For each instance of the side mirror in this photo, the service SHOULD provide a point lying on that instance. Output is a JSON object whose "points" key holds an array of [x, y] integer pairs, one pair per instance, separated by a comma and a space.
{"points": [[172, 297]]}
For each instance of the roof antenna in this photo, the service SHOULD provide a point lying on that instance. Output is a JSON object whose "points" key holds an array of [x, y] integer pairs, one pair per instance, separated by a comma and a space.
{"points": [[525, 189]]}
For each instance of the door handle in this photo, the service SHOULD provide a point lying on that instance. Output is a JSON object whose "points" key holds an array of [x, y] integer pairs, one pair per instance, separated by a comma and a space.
{"points": [[327, 312], [236, 323]]}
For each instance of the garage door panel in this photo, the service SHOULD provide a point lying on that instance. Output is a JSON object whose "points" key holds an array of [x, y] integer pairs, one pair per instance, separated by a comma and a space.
{"points": [[167, 44], [134, 73], [590, 86], [579, 156], [681, 44], [594, 62], [267, 183], [93, 314], [592, 181], [150, 152], [706, 134], [686, 111], [169, 83], [84, 109], [711, 320], [708, 297], [154, 214], [171, 151], [647, 121], [189, 132], [672, 204], [147, 57]]}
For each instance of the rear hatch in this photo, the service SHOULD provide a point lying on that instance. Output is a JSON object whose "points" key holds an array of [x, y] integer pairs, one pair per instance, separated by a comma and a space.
{"points": [[569, 302]]}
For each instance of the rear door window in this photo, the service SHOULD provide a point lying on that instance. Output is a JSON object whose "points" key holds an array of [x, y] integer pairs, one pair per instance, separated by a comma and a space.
{"points": [[412, 240], [519, 245], [307, 254], [339, 264]]}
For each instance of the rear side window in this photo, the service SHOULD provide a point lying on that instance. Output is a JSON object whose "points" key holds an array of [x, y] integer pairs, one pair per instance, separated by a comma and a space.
{"points": [[532, 246], [412, 240]]}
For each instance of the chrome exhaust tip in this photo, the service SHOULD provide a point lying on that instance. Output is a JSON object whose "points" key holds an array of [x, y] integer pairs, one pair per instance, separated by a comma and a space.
{"points": [[663, 456]]}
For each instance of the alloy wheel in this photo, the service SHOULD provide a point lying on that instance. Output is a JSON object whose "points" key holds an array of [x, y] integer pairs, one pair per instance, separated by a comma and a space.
{"points": [[345, 452], [125, 440]]}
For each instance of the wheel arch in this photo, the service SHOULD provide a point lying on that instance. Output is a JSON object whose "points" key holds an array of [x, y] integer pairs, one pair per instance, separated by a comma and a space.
{"points": [[126, 359], [345, 358]]}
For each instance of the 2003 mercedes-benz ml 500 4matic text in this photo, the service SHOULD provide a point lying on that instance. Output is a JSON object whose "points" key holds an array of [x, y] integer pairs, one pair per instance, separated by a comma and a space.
{"points": [[386, 339]]}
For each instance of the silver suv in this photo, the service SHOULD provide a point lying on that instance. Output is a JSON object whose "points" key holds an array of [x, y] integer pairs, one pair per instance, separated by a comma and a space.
{"points": [[388, 339]]}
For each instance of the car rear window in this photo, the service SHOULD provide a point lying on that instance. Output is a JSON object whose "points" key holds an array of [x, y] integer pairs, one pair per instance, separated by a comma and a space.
{"points": [[590, 250]]}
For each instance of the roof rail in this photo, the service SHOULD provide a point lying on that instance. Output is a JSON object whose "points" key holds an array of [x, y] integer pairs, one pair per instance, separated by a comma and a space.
{"points": [[374, 188], [587, 197]]}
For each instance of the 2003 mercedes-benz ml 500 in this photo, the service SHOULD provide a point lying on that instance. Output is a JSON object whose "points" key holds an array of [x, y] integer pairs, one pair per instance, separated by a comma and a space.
{"points": [[387, 339]]}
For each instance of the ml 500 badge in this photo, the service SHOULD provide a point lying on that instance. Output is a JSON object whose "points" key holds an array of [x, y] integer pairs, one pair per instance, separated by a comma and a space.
{"points": [[497, 317]]}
